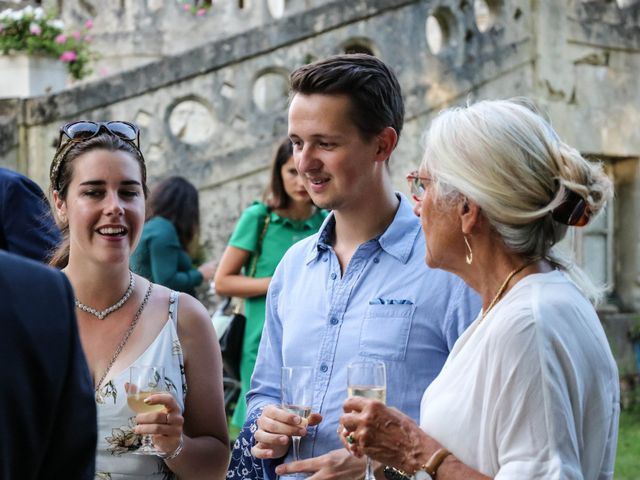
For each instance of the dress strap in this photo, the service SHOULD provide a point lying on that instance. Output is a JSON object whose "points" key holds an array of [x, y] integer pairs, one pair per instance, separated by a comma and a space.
{"points": [[173, 307]]}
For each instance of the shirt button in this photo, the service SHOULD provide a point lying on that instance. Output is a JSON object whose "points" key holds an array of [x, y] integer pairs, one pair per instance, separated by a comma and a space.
{"points": [[376, 260], [323, 368], [334, 321], [333, 275]]}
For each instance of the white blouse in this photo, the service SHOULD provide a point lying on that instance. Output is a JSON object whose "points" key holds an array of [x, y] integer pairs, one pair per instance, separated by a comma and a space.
{"points": [[532, 391]]}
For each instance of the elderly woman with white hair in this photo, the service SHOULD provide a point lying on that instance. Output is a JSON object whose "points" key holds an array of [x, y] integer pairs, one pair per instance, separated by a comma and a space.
{"points": [[531, 389]]}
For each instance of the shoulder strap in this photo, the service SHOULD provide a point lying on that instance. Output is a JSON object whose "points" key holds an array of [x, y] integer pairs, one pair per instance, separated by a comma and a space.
{"points": [[173, 307], [254, 261]]}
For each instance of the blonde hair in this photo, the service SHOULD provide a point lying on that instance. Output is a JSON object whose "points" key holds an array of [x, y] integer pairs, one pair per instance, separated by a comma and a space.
{"points": [[505, 156]]}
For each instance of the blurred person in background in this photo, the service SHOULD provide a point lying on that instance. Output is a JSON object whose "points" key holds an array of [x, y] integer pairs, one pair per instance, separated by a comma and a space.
{"points": [[169, 239], [285, 216]]}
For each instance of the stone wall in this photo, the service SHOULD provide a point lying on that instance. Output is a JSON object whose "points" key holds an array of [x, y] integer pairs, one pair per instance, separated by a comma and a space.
{"points": [[133, 33], [211, 97]]}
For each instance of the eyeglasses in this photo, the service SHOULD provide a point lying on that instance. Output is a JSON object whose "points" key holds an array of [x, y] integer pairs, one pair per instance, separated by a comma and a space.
{"points": [[85, 129], [417, 185]]}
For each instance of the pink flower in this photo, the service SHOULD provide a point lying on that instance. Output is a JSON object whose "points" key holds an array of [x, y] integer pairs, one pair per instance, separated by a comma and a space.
{"points": [[69, 56], [77, 35], [35, 29], [186, 7], [201, 12], [88, 39], [88, 24], [60, 39], [104, 71]]}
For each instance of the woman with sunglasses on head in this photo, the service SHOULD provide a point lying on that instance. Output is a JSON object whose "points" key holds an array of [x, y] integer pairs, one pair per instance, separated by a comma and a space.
{"points": [[98, 183], [262, 235], [530, 390], [170, 238]]}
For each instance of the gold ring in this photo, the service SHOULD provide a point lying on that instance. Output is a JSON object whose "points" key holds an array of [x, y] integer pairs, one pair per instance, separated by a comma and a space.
{"points": [[350, 439]]}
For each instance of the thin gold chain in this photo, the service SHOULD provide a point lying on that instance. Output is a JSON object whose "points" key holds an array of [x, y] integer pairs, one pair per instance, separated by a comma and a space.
{"points": [[503, 287], [124, 340]]}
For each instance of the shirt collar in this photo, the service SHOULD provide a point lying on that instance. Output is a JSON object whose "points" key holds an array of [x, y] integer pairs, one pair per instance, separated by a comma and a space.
{"points": [[305, 224], [397, 240]]}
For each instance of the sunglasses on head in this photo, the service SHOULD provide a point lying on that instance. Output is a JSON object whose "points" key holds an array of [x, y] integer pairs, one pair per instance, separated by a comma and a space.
{"points": [[85, 129]]}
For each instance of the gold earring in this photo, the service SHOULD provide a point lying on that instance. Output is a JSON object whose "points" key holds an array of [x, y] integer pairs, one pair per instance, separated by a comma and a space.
{"points": [[469, 256]]}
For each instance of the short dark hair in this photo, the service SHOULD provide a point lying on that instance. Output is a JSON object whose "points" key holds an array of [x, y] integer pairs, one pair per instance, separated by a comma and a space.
{"points": [[176, 199], [275, 196], [371, 85]]}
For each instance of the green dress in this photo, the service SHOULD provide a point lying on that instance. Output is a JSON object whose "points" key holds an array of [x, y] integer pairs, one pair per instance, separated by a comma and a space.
{"points": [[160, 257], [281, 233]]}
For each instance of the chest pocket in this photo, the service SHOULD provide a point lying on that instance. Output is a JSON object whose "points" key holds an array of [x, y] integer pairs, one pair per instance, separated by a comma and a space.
{"points": [[385, 331]]}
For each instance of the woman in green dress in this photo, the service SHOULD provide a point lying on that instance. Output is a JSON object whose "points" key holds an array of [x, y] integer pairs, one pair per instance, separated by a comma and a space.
{"points": [[289, 216], [169, 234]]}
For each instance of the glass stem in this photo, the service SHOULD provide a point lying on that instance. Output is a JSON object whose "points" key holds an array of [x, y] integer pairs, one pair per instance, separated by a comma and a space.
{"points": [[296, 447], [368, 473]]}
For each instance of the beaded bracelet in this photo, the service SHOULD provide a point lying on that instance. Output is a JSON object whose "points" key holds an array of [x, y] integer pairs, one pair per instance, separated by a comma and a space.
{"points": [[175, 453]]}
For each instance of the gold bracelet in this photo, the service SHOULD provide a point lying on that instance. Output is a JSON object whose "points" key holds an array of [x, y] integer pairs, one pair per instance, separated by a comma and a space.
{"points": [[432, 465]]}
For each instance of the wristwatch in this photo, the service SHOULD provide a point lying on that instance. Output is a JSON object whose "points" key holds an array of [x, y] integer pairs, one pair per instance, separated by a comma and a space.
{"points": [[427, 471]]}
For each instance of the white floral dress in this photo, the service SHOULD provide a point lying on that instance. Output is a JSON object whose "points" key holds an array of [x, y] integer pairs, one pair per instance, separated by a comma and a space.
{"points": [[116, 439]]}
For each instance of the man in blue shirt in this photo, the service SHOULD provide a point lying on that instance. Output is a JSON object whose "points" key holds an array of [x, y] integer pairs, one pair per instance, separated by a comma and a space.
{"points": [[357, 290]]}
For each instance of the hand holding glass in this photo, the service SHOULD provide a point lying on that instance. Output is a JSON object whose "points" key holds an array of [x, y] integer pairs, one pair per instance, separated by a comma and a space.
{"points": [[297, 397], [145, 381], [368, 380]]}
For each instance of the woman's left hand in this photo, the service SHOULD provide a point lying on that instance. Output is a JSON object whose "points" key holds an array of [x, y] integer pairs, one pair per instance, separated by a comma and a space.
{"points": [[385, 434], [165, 426]]}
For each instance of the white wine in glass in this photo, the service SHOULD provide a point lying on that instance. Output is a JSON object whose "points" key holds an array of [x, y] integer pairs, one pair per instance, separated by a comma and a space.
{"points": [[368, 380], [297, 397], [145, 381]]}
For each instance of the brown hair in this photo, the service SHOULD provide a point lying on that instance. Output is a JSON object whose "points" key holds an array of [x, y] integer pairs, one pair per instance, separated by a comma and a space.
{"points": [[176, 199], [372, 87], [61, 173], [275, 196]]}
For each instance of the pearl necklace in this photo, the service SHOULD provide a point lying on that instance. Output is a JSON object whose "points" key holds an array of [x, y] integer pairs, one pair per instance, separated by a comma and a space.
{"points": [[103, 314]]}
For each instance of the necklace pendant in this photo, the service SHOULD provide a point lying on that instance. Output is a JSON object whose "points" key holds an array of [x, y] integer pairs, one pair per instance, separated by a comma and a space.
{"points": [[99, 397]]}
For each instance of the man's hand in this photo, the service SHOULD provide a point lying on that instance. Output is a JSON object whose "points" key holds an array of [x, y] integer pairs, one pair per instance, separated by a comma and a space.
{"points": [[275, 428], [335, 465]]}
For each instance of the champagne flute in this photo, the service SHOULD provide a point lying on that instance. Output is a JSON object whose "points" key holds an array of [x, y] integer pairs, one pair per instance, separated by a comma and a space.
{"points": [[297, 397], [145, 381], [368, 380]]}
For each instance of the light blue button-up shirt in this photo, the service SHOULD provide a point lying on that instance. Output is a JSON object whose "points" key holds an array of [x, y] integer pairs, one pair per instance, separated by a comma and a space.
{"points": [[387, 305]]}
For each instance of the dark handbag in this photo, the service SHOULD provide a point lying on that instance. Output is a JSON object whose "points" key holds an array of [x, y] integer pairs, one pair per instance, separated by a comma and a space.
{"points": [[232, 338], [231, 343]]}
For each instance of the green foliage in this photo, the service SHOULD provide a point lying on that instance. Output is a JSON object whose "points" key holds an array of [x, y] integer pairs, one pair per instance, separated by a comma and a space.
{"points": [[634, 329], [628, 455], [35, 32]]}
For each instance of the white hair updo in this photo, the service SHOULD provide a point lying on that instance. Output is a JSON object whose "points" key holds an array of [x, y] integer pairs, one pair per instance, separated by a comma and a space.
{"points": [[505, 156]]}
